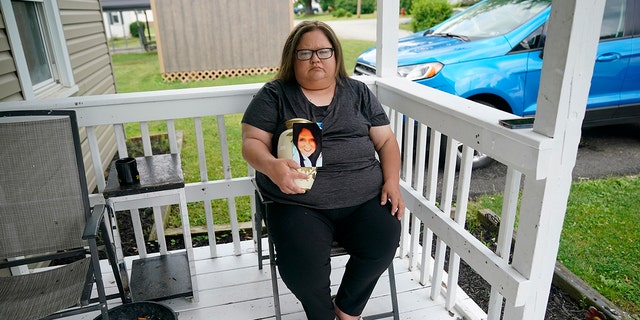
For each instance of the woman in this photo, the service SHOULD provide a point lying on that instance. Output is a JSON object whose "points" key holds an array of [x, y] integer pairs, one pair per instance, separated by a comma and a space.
{"points": [[355, 198]]}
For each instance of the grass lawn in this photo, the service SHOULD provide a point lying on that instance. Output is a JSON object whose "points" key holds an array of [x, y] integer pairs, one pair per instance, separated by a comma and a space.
{"points": [[600, 239], [601, 235]]}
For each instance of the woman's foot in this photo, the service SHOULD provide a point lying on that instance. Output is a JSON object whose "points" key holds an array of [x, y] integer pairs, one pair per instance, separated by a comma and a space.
{"points": [[341, 315]]}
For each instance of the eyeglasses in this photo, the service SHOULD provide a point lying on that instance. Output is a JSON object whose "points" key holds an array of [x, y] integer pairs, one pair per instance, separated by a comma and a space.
{"points": [[323, 54]]}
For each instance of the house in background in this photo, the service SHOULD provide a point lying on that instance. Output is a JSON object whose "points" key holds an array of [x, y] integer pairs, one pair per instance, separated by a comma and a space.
{"points": [[119, 14], [56, 49]]}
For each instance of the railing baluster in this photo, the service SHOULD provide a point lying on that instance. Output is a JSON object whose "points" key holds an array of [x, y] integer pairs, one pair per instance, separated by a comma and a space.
{"points": [[421, 147], [505, 234], [173, 139], [158, 216], [407, 173], [121, 140], [462, 198], [96, 159], [137, 231], [204, 177], [146, 138], [397, 123], [231, 201], [430, 194], [445, 203]]}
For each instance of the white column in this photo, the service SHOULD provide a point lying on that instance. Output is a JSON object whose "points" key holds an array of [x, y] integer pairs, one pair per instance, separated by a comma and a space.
{"points": [[387, 38], [569, 55]]}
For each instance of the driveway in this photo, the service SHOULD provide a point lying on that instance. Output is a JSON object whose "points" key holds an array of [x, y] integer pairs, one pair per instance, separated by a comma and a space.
{"points": [[603, 151]]}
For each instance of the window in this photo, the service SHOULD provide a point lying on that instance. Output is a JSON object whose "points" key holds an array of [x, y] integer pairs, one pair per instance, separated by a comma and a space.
{"points": [[613, 20], [114, 18], [39, 48], [533, 41]]}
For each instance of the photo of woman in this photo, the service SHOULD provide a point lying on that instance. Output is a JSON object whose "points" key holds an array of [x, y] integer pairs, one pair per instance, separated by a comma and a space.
{"points": [[307, 139]]}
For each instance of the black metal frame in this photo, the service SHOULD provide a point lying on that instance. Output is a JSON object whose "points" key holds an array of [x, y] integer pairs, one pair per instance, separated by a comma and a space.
{"points": [[95, 224]]}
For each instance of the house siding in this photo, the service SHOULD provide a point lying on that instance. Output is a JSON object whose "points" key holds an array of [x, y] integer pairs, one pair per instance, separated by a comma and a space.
{"points": [[91, 66], [92, 69], [86, 43], [9, 84]]}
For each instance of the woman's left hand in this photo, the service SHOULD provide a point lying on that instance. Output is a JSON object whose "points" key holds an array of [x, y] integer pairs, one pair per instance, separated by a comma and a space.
{"points": [[391, 193]]}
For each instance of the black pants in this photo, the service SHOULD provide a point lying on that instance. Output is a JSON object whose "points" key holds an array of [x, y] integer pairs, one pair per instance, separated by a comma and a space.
{"points": [[303, 239]]}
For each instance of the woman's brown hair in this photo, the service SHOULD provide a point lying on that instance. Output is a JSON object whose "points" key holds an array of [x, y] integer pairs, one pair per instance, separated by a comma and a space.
{"points": [[286, 72]]}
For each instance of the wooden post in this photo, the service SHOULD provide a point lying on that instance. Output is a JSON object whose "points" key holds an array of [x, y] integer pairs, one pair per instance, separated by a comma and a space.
{"points": [[387, 38], [574, 28]]}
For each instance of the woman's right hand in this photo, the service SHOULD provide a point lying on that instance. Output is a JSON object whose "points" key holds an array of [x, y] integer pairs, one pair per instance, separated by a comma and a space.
{"points": [[256, 146], [283, 172]]}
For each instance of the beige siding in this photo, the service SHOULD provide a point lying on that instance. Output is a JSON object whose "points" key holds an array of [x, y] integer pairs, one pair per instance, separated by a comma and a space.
{"points": [[84, 57], [92, 70], [89, 70], [86, 43], [98, 82], [205, 35], [9, 85], [90, 62], [75, 31], [6, 62], [4, 41]]}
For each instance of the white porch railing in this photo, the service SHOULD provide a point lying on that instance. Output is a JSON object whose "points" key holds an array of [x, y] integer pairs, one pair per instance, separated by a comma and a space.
{"points": [[432, 208]]}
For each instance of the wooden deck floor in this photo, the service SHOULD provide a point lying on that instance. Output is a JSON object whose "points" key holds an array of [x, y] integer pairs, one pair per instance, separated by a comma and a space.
{"points": [[231, 287]]}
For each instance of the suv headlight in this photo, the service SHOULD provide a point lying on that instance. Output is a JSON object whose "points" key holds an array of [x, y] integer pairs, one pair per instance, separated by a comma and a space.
{"points": [[420, 71]]}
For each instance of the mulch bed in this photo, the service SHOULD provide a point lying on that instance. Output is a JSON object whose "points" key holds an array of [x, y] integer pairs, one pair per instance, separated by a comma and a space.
{"points": [[561, 306], [128, 240]]}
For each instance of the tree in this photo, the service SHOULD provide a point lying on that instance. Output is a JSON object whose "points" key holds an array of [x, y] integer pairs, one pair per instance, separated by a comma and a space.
{"points": [[308, 8]]}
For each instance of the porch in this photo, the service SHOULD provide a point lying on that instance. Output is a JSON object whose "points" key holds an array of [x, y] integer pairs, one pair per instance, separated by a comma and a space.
{"points": [[229, 284], [232, 287], [228, 280]]}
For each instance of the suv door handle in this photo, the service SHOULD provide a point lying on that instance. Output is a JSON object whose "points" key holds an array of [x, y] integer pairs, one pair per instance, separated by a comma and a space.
{"points": [[608, 57]]}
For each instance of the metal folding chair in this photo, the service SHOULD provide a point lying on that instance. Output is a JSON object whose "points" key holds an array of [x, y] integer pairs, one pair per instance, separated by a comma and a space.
{"points": [[262, 210]]}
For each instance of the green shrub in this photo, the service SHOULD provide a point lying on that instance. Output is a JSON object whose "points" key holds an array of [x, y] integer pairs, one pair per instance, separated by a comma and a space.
{"points": [[341, 13], [367, 6], [327, 5], [133, 28], [428, 13]]}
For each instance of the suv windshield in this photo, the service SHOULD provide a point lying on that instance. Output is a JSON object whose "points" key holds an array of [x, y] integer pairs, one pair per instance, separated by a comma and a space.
{"points": [[491, 18]]}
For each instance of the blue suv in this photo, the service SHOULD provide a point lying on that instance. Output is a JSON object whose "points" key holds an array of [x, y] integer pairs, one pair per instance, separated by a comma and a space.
{"points": [[492, 53]]}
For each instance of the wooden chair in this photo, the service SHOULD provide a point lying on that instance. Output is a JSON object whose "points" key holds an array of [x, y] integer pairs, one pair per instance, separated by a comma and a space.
{"points": [[45, 217], [262, 210]]}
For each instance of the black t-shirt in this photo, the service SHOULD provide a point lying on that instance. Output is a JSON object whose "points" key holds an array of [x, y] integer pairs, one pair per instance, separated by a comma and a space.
{"points": [[350, 173]]}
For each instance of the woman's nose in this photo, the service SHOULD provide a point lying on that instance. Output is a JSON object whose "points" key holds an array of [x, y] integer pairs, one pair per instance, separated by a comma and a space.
{"points": [[314, 56]]}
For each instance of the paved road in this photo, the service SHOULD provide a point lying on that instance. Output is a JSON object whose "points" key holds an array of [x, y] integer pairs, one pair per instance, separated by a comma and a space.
{"points": [[359, 29], [603, 151]]}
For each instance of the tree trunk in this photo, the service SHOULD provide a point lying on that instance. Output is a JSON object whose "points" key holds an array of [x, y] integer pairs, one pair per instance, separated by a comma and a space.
{"points": [[308, 8]]}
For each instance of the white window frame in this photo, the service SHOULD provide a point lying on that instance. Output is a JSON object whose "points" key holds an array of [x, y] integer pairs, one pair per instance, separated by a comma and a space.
{"points": [[64, 85]]}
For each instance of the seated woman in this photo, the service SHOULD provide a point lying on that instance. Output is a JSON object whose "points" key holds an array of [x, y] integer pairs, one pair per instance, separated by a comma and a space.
{"points": [[355, 199]]}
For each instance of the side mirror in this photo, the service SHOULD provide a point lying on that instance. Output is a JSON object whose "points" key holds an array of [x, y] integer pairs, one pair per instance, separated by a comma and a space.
{"points": [[543, 39]]}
